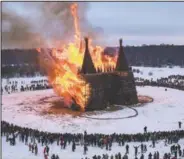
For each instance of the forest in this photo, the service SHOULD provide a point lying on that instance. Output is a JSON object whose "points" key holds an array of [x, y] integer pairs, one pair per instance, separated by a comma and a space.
{"points": [[145, 55]]}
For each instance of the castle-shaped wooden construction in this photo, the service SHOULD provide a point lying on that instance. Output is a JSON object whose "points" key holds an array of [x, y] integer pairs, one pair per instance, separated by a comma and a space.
{"points": [[111, 87]]}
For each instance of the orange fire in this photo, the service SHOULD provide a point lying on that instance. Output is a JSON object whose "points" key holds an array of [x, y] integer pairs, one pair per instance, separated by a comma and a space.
{"points": [[62, 66]]}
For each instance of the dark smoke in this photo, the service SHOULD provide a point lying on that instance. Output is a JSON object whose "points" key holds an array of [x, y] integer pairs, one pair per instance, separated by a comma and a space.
{"points": [[16, 32], [47, 22]]}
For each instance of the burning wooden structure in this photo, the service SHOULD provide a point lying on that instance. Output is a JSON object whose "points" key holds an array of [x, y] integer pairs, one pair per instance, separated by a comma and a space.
{"points": [[113, 86]]}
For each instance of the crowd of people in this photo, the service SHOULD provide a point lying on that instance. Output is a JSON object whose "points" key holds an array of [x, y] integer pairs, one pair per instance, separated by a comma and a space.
{"points": [[31, 138], [172, 81], [14, 86]]}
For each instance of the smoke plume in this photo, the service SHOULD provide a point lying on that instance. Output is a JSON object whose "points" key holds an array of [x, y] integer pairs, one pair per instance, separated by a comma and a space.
{"points": [[46, 25]]}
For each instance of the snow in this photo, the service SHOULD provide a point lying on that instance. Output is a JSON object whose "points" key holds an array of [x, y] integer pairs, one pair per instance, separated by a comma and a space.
{"points": [[163, 114], [9, 152], [158, 72]]}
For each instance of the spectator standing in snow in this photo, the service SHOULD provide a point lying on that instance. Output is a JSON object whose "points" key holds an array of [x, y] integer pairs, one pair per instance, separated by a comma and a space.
{"points": [[179, 124], [125, 156], [45, 153], [136, 150], [150, 156], [142, 148], [85, 149], [73, 146], [53, 156], [36, 149], [145, 129], [127, 149]]}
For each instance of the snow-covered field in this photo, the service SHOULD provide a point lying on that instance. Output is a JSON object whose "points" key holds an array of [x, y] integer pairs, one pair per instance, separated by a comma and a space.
{"points": [[163, 114], [158, 72]]}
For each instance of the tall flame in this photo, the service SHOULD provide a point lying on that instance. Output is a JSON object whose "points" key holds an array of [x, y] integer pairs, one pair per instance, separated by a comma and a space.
{"points": [[62, 66]]}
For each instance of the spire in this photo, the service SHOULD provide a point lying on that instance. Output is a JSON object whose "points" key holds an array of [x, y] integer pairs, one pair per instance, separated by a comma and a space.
{"points": [[87, 66], [121, 64]]}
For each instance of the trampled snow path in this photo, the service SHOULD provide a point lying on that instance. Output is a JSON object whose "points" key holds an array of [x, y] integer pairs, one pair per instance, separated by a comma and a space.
{"points": [[21, 151], [163, 114]]}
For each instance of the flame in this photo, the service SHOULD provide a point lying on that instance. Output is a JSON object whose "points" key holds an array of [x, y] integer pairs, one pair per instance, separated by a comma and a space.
{"points": [[63, 64]]}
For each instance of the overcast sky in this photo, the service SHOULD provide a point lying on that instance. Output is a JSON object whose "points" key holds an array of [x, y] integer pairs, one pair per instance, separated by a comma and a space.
{"points": [[137, 22], [140, 22]]}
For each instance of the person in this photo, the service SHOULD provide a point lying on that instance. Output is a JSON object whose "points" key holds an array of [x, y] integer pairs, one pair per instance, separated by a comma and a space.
{"points": [[150, 156], [57, 157], [58, 141], [85, 149], [155, 156], [7, 137], [179, 124], [136, 150], [122, 142], [175, 154], [73, 146], [85, 136], [125, 156], [158, 155], [127, 149], [26, 139], [142, 148], [166, 156], [64, 146], [36, 149], [30, 146], [153, 143], [53, 156], [110, 145], [13, 139], [62, 143], [145, 129], [169, 155], [42, 140], [45, 153], [47, 149], [142, 156], [180, 152]]}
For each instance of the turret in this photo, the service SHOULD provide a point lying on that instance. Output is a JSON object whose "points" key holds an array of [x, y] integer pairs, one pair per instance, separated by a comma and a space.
{"points": [[87, 66], [121, 64]]}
